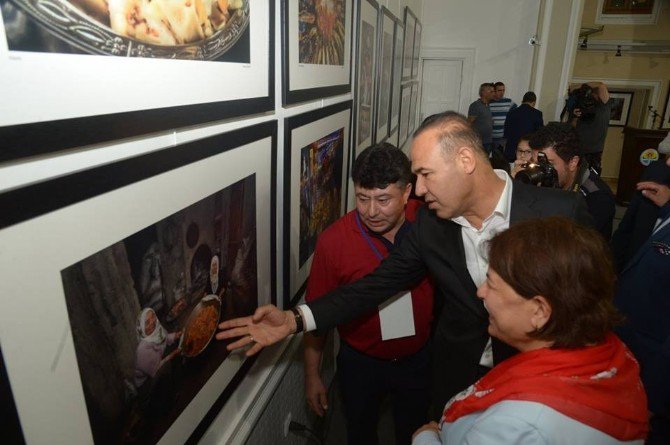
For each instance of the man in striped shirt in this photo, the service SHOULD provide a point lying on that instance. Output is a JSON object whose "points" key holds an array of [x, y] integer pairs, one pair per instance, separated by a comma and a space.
{"points": [[500, 106]]}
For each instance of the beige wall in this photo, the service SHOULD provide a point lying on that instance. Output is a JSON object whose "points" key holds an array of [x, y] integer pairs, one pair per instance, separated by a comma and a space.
{"points": [[643, 67]]}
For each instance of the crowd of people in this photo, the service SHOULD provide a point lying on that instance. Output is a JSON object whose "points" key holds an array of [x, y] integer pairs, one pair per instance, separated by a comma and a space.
{"points": [[523, 319]]}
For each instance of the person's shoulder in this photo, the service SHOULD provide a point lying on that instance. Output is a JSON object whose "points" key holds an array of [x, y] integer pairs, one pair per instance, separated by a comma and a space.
{"points": [[412, 208], [342, 226]]}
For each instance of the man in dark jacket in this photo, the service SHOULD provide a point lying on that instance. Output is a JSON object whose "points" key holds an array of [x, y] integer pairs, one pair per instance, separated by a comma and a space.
{"points": [[467, 203], [523, 120]]}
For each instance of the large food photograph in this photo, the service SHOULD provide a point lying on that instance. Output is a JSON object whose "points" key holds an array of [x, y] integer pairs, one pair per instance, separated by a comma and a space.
{"points": [[322, 32], [320, 189], [174, 29], [143, 312]]}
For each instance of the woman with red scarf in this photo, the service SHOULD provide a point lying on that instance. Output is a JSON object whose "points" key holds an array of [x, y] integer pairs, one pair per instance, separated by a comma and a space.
{"points": [[549, 292]]}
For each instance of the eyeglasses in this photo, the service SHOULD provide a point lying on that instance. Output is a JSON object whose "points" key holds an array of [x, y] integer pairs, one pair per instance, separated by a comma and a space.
{"points": [[524, 152]]}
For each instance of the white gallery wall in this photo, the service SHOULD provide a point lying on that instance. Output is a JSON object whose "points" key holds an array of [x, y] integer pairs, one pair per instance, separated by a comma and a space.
{"points": [[498, 31]]}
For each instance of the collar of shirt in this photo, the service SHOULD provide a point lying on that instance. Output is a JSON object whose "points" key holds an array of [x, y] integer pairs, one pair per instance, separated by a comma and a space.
{"points": [[402, 231], [474, 240]]}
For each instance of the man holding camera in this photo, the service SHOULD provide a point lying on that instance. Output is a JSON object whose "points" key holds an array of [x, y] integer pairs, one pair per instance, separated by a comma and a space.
{"points": [[590, 108], [560, 143]]}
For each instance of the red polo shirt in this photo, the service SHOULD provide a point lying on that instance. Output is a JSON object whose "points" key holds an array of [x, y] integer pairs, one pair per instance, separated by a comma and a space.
{"points": [[342, 256]]}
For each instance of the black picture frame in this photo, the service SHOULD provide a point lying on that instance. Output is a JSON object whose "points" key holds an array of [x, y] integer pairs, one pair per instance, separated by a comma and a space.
{"points": [[300, 132], [417, 49], [403, 124], [46, 137], [398, 39], [41, 203], [291, 95], [364, 101], [383, 117], [408, 44]]}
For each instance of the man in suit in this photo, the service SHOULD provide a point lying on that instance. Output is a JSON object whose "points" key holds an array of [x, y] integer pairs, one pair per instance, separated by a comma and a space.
{"points": [[643, 296], [640, 217], [467, 204], [523, 120]]}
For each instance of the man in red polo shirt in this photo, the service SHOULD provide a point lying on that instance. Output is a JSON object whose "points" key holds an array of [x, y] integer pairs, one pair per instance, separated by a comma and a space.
{"points": [[385, 351]]}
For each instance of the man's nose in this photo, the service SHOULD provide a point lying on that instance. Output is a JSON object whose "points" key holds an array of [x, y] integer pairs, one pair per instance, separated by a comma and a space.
{"points": [[420, 187]]}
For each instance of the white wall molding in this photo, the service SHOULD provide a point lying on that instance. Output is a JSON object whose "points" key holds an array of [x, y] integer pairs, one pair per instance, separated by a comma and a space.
{"points": [[654, 85], [467, 56], [570, 54]]}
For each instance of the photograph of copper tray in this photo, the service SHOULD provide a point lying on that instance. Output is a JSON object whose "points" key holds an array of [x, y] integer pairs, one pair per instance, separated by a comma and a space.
{"points": [[173, 29], [200, 326]]}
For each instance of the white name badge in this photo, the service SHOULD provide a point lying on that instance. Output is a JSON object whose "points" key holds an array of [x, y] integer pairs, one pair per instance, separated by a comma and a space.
{"points": [[397, 317]]}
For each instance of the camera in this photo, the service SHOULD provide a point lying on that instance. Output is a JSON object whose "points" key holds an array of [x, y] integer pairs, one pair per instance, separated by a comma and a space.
{"points": [[541, 173], [583, 99]]}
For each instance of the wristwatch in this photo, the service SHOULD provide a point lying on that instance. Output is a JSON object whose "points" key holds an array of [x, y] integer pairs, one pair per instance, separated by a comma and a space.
{"points": [[299, 324]]}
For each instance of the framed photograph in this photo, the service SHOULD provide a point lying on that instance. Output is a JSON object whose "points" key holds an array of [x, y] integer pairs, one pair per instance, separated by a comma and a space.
{"points": [[123, 283], [78, 73], [408, 44], [628, 12], [366, 72], [403, 126], [384, 73], [417, 50], [10, 427], [316, 57], [665, 123], [413, 102], [397, 75], [620, 108], [627, 6], [316, 156]]}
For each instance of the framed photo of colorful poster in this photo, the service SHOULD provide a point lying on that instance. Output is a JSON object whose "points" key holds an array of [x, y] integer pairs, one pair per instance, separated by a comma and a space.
{"points": [[77, 73], [417, 50], [412, 107], [124, 272], [316, 45], [403, 125], [366, 75], [316, 156], [10, 427], [399, 37], [384, 73], [408, 44]]}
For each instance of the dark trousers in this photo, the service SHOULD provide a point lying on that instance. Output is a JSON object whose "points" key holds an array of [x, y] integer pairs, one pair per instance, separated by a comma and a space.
{"points": [[365, 381]]}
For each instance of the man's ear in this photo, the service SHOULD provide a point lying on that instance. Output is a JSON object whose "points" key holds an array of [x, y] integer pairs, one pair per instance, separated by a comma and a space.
{"points": [[406, 193], [466, 158], [573, 165]]}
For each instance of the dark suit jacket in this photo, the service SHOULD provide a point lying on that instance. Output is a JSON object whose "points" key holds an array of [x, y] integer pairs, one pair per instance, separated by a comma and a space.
{"points": [[519, 122], [435, 245], [639, 219], [643, 296]]}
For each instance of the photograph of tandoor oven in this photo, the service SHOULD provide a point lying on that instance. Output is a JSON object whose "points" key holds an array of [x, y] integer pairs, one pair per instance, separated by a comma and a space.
{"points": [[143, 312]]}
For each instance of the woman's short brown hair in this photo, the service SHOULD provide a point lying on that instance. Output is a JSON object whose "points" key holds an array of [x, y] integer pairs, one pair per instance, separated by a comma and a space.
{"points": [[569, 265]]}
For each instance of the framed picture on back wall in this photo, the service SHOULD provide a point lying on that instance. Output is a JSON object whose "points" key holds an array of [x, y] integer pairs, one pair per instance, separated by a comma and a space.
{"points": [[665, 123], [397, 75], [403, 125], [366, 75], [408, 45], [384, 74], [417, 50], [316, 43], [72, 78]]}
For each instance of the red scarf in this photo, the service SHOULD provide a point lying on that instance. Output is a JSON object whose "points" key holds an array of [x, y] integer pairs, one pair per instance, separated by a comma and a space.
{"points": [[598, 386]]}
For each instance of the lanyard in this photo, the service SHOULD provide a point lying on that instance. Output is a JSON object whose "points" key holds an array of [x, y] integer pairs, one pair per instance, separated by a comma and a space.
{"points": [[367, 238]]}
